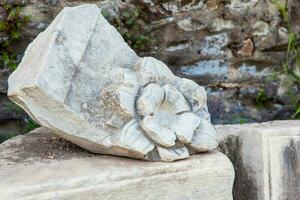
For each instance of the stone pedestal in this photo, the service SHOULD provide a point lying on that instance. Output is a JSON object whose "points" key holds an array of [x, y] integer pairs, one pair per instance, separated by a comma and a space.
{"points": [[265, 157], [40, 166]]}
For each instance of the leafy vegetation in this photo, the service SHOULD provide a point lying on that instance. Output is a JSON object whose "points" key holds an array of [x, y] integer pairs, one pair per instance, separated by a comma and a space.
{"points": [[10, 31], [7, 136], [291, 64], [11, 25], [240, 120], [261, 99], [132, 25], [24, 121], [29, 125]]}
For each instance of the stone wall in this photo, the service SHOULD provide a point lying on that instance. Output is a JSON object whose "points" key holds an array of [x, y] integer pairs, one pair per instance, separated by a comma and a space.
{"points": [[234, 48]]}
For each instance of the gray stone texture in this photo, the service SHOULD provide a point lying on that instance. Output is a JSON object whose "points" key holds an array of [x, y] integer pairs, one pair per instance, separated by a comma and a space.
{"points": [[265, 157], [232, 82], [40, 165], [91, 88]]}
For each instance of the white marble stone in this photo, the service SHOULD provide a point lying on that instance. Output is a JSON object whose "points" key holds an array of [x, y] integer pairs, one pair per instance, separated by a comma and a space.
{"points": [[81, 80], [265, 157], [27, 173]]}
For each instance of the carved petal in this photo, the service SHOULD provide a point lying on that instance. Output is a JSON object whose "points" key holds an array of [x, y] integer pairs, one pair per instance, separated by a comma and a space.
{"points": [[133, 139], [194, 93], [169, 155], [151, 70], [203, 113], [160, 134], [184, 126], [205, 137], [127, 89], [151, 98], [120, 95], [175, 99], [124, 77], [126, 100]]}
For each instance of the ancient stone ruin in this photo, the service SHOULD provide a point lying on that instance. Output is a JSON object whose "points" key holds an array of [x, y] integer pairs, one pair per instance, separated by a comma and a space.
{"points": [[80, 79], [95, 97]]}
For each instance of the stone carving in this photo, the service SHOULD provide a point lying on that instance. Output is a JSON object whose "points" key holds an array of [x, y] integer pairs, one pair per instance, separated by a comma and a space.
{"points": [[81, 80]]}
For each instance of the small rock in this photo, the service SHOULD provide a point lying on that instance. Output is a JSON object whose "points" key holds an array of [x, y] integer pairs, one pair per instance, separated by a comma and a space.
{"points": [[169, 155], [247, 48], [205, 138], [50, 157], [220, 24], [212, 46], [261, 28]]}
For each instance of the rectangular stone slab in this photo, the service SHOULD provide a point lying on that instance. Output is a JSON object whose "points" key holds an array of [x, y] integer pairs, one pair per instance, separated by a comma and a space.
{"points": [[40, 166], [265, 157]]}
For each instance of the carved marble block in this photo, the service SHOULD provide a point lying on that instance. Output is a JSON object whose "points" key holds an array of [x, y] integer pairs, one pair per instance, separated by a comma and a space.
{"points": [[81, 80]]}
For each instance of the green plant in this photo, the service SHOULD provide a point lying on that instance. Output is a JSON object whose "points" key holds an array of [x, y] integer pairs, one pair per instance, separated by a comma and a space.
{"points": [[261, 99], [132, 26], [295, 102], [296, 115], [30, 125], [240, 120], [291, 64], [10, 28], [27, 123], [13, 108], [293, 48], [6, 136]]}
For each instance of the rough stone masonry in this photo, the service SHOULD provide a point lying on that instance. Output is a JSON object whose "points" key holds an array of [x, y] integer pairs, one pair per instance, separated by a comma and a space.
{"points": [[81, 80]]}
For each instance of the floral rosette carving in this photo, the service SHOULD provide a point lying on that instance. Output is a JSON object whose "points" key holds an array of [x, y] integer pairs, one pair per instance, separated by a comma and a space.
{"points": [[157, 115]]}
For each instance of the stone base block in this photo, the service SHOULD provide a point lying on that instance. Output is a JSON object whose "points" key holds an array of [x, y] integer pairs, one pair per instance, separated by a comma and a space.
{"points": [[266, 158], [41, 166]]}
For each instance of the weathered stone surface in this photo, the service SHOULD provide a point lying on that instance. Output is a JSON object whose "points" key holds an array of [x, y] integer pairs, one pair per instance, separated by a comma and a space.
{"points": [[265, 157], [39, 165], [89, 87], [178, 30]]}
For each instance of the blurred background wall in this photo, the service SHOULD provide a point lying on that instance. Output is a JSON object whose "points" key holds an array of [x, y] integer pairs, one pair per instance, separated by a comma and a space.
{"points": [[237, 49]]}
